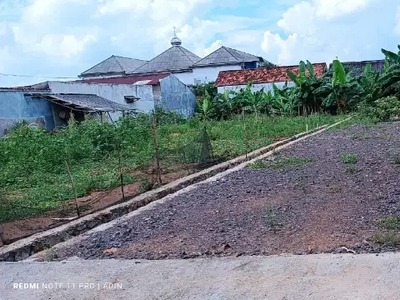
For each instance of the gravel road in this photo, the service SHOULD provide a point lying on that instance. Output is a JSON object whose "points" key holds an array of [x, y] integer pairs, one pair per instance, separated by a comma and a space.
{"points": [[305, 201]]}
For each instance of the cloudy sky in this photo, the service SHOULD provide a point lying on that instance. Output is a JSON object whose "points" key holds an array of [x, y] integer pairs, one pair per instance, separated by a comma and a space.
{"points": [[62, 38]]}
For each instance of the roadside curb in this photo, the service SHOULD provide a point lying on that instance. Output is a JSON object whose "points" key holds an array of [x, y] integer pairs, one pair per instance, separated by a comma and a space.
{"points": [[27, 247]]}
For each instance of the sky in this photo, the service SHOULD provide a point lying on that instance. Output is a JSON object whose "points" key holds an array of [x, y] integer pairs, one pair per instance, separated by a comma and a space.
{"points": [[47, 39]]}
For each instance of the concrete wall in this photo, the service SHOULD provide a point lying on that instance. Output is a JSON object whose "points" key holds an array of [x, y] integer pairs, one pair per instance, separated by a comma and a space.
{"points": [[186, 78], [209, 74], [113, 92], [15, 106], [157, 92], [176, 96], [256, 87]]}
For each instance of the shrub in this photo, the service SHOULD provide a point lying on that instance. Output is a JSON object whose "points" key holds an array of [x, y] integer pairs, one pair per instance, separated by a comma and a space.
{"points": [[382, 109]]}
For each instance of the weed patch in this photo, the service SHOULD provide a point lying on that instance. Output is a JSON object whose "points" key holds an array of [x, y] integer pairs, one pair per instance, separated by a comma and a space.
{"points": [[280, 163], [396, 159], [391, 223], [353, 170], [349, 158], [273, 220], [388, 239]]}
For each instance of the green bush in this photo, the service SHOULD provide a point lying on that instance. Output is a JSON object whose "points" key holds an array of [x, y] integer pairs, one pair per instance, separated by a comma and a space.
{"points": [[382, 109]]}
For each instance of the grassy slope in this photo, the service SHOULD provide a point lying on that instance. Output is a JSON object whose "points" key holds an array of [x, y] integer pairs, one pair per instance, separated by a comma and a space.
{"points": [[34, 178]]}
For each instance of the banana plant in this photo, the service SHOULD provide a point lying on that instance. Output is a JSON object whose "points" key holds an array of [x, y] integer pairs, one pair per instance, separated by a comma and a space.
{"points": [[341, 91], [390, 81], [305, 84], [369, 85], [204, 106], [284, 101]]}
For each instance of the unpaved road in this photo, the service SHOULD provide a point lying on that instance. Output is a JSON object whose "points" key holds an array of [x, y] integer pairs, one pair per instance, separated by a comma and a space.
{"points": [[322, 276]]}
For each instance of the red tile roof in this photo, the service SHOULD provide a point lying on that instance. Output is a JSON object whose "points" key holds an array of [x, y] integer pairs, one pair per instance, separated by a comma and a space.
{"points": [[150, 79], [263, 75]]}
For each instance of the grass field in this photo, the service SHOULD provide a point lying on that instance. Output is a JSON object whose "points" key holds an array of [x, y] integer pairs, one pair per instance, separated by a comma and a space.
{"points": [[34, 178]]}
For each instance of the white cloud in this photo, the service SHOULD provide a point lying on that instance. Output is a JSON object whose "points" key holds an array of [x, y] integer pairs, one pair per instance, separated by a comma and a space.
{"points": [[320, 30], [397, 27], [203, 52], [63, 45], [276, 46], [62, 38], [335, 8]]}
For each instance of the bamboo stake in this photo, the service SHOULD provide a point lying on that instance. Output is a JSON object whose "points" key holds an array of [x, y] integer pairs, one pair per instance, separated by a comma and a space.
{"points": [[244, 133], [73, 188], [121, 175], [156, 152]]}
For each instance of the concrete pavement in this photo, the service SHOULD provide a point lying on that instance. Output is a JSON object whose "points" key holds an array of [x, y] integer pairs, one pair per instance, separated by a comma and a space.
{"points": [[325, 276]]}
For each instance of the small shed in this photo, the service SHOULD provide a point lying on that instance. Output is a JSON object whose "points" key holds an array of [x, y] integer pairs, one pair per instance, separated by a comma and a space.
{"points": [[263, 78], [49, 110]]}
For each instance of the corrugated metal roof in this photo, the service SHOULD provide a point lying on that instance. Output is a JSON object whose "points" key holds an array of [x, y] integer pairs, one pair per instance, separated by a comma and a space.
{"points": [[263, 75], [114, 65], [150, 79], [357, 67], [39, 87], [226, 56], [85, 102], [175, 58]]}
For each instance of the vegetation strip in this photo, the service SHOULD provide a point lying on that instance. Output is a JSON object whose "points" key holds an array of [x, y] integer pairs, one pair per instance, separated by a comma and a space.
{"points": [[24, 248]]}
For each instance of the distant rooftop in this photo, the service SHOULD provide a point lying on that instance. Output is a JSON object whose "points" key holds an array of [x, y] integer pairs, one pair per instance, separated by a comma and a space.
{"points": [[263, 75], [176, 58], [84, 102], [39, 87], [150, 79], [357, 68], [227, 56], [114, 65]]}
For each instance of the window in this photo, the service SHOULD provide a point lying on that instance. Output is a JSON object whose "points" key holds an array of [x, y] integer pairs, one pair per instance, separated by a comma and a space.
{"points": [[131, 99]]}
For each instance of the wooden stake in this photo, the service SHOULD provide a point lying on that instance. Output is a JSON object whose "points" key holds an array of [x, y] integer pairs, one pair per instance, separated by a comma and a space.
{"points": [[73, 188]]}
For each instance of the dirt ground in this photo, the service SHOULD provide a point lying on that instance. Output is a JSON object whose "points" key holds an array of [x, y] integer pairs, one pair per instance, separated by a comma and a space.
{"points": [[310, 199], [96, 201]]}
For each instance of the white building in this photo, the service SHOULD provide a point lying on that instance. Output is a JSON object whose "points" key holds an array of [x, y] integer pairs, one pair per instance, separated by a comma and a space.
{"points": [[223, 59], [185, 65]]}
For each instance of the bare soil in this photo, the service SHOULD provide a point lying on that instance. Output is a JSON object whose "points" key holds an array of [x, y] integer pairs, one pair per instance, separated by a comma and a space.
{"points": [[318, 205]]}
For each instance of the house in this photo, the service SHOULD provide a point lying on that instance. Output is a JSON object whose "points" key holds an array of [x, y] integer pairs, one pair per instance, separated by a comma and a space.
{"points": [[49, 103], [164, 90], [179, 61], [357, 68], [262, 78]]}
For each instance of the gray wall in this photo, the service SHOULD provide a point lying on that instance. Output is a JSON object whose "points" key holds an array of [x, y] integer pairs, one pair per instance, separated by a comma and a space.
{"points": [[176, 96], [15, 106], [113, 92]]}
